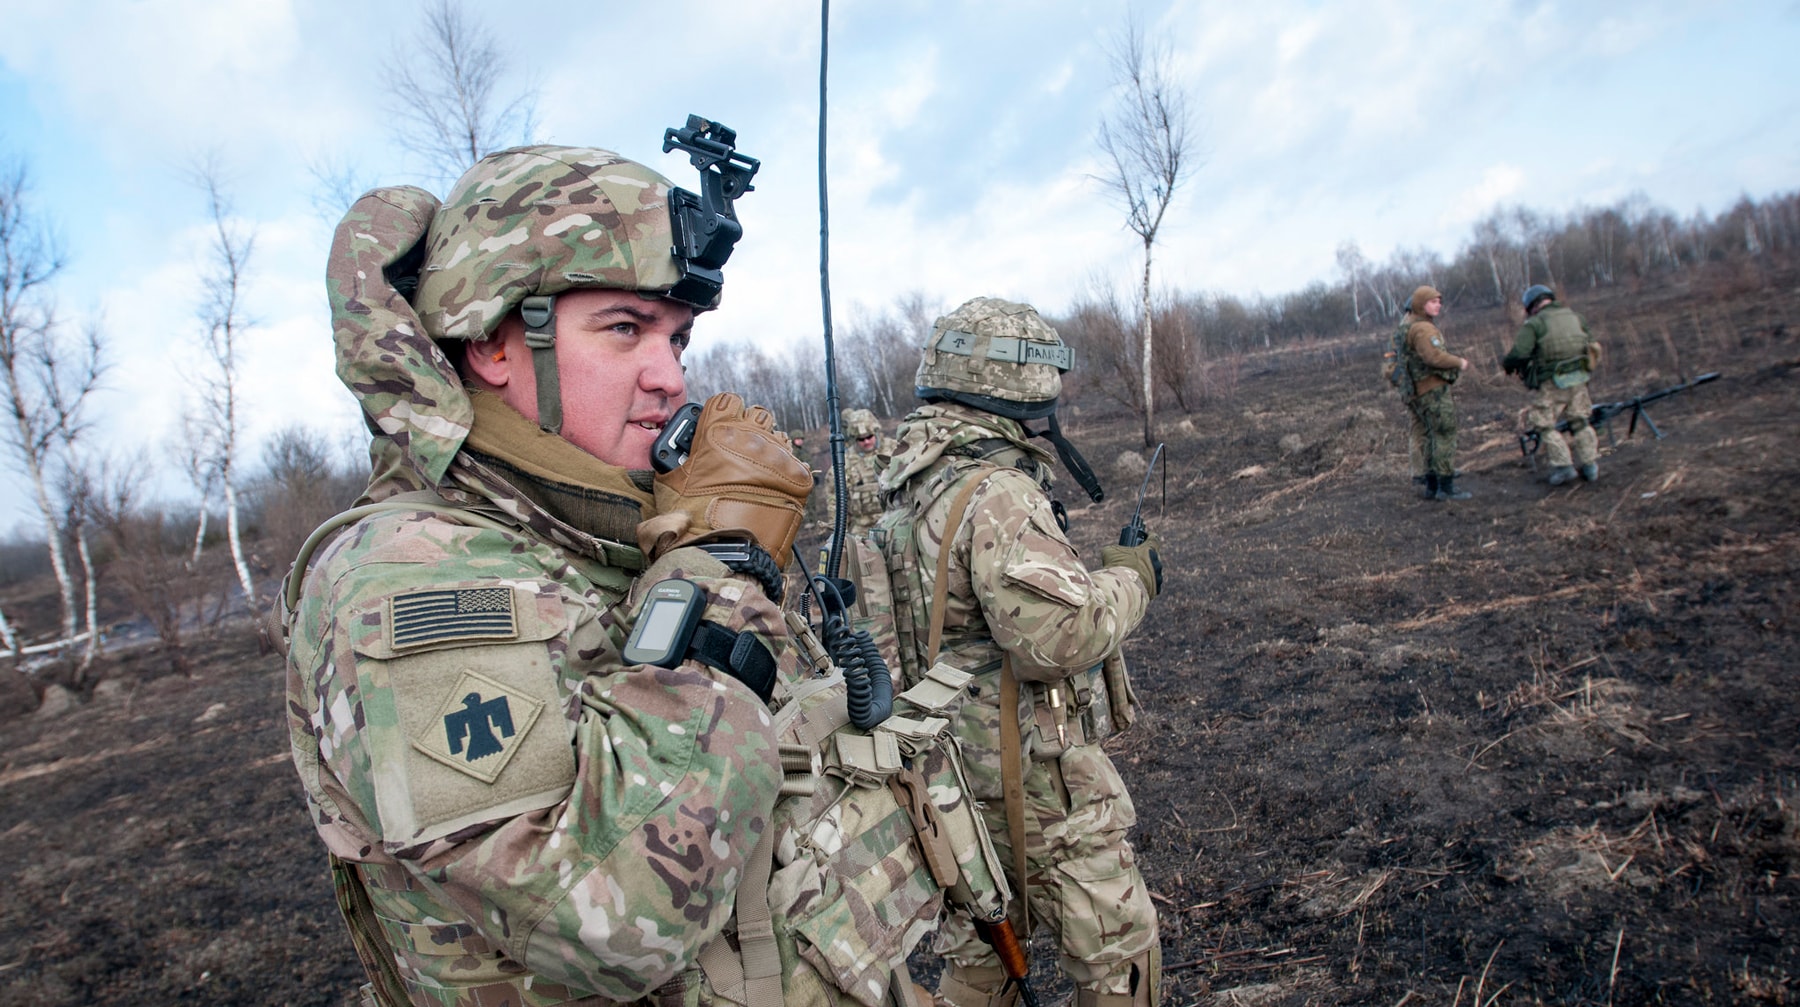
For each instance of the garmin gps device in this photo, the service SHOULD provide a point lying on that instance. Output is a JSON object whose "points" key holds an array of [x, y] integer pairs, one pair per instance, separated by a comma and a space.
{"points": [[665, 624]]}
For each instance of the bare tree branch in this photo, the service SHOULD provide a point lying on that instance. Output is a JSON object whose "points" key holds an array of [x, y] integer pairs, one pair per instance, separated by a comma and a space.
{"points": [[47, 381], [444, 101], [1148, 144], [337, 183], [222, 315]]}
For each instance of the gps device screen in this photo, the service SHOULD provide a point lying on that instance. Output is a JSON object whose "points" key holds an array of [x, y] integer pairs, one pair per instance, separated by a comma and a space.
{"points": [[665, 624]]}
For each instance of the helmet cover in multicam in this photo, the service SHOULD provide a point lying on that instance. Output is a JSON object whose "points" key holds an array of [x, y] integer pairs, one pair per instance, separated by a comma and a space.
{"points": [[541, 220], [860, 423], [996, 356]]}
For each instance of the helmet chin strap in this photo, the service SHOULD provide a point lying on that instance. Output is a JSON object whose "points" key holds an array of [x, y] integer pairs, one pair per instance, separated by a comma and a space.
{"points": [[1072, 461], [539, 314]]}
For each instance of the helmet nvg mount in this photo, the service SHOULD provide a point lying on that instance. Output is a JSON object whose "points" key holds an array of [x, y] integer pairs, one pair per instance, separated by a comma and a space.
{"points": [[528, 223], [1535, 293]]}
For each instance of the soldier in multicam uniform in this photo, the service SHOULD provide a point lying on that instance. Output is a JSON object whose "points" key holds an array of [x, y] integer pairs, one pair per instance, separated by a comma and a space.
{"points": [[1554, 354], [862, 472], [515, 813], [1433, 370], [1019, 604]]}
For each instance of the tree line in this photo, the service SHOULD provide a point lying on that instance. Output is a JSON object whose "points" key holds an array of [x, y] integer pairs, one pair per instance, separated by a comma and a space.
{"points": [[97, 520], [1625, 246]]}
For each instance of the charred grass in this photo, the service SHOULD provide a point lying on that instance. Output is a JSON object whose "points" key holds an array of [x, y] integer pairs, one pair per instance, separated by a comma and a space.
{"points": [[1538, 747]]}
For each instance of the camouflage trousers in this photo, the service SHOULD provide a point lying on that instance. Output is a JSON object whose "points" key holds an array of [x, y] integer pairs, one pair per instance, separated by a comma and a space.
{"points": [[1415, 443], [1084, 881], [1435, 413], [1549, 404]]}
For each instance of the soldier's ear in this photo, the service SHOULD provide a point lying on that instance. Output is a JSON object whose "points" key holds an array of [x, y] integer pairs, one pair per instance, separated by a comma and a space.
{"points": [[490, 361]]}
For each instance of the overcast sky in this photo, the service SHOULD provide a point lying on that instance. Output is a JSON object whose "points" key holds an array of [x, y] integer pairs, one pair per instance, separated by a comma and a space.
{"points": [[961, 145]]}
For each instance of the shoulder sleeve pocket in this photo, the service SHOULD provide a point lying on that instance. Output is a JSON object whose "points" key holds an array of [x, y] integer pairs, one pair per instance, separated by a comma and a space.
{"points": [[1043, 563], [464, 709]]}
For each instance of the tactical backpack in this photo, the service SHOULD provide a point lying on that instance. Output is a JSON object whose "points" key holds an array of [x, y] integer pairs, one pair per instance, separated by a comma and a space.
{"points": [[1394, 361]]}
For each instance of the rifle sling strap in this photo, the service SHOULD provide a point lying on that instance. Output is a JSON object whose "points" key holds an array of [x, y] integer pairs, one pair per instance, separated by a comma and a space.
{"points": [[1012, 749], [1012, 790]]}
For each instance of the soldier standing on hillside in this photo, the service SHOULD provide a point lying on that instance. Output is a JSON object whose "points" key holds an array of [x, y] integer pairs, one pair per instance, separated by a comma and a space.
{"points": [[1433, 369], [1554, 354], [973, 539], [1394, 369], [862, 472]]}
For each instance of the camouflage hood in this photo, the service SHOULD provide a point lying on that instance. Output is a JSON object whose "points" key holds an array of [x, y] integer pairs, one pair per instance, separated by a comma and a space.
{"points": [[420, 415], [930, 432], [410, 394]]}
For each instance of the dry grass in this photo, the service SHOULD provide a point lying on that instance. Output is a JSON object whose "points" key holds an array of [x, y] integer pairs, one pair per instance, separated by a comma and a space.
{"points": [[1465, 610]]}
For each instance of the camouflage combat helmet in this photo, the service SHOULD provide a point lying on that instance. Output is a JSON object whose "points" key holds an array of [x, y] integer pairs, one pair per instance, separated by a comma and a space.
{"points": [[996, 356], [1535, 293], [526, 224], [860, 423]]}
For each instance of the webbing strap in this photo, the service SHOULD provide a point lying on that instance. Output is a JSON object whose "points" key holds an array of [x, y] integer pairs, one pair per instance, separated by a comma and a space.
{"points": [[940, 586], [1012, 749], [385, 985], [756, 927], [539, 314], [1012, 792]]}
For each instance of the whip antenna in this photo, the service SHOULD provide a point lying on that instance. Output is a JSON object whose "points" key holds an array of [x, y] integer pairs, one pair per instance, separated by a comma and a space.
{"points": [[839, 516]]}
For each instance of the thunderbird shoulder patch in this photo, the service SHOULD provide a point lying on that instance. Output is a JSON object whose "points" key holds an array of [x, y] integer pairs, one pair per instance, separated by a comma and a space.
{"points": [[428, 618], [479, 726]]}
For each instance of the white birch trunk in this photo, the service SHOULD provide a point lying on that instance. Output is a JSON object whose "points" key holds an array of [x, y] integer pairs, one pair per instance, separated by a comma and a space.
{"points": [[59, 561], [1149, 353], [237, 547], [199, 536], [7, 639], [93, 604]]}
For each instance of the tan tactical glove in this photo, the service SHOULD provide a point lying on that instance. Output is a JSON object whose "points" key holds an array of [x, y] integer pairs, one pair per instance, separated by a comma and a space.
{"points": [[740, 476], [1142, 557]]}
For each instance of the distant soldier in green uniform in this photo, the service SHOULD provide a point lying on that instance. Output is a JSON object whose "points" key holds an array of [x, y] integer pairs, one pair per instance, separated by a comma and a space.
{"points": [[1433, 369], [863, 465], [533, 790], [1554, 354], [1394, 369], [1020, 611]]}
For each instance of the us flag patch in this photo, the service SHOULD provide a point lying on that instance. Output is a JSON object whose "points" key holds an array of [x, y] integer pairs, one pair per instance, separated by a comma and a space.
{"points": [[421, 618]]}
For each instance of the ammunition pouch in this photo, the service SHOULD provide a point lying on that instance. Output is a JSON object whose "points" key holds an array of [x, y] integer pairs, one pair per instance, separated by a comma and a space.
{"points": [[1084, 709], [1568, 373], [873, 832]]}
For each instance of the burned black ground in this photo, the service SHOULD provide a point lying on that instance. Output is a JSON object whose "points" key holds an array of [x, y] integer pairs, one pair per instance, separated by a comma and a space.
{"points": [[1541, 746]]}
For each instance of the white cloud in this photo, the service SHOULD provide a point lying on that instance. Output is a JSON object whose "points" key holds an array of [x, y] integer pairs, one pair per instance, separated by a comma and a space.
{"points": [[1496, 185], [960, 138]]}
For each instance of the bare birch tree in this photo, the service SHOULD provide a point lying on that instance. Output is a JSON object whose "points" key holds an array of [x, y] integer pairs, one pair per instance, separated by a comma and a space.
{"points": [[78, 491], [1350, 259], [221, 314], [444, 100], [1147, 143], [48, 378]]}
